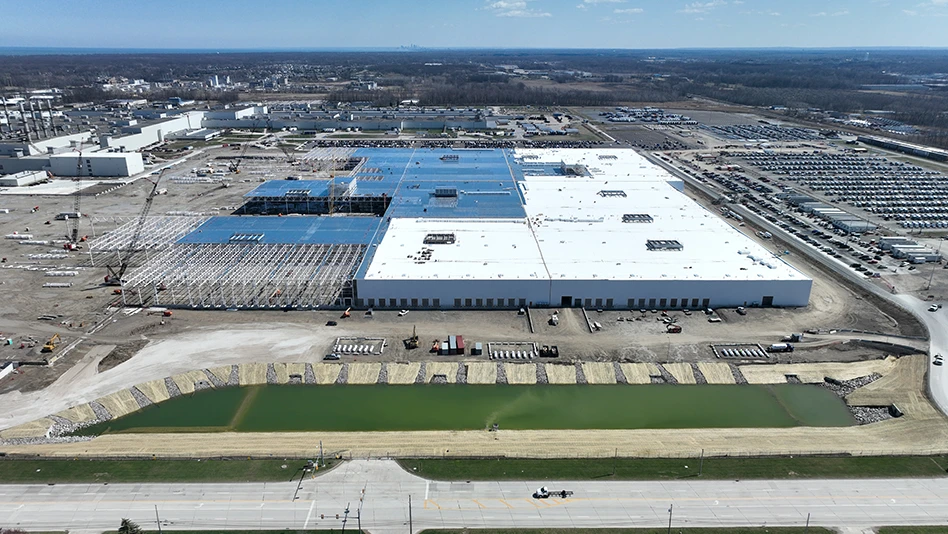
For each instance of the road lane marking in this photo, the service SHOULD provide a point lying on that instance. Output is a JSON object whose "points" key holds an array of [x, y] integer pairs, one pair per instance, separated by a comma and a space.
{"points": [[479, 504], [309, 513]]}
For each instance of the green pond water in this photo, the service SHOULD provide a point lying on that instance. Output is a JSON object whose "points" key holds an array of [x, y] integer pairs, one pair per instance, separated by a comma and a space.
{"points": [[290, 408]]}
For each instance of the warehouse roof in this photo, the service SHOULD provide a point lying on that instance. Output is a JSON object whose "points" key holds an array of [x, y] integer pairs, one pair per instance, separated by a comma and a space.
{"points": [[591, 214], [309, 230]]}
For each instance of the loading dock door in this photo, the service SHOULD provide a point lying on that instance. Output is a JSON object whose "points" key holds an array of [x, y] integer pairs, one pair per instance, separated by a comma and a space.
{"points": [[566, 301], [767, 301]]}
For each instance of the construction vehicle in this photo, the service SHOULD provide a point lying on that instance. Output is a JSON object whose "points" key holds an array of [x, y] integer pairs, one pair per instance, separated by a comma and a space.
{"points": [[554, 319], [235, 166], [780, 347], [163, 313], [114, 278], [412, 342], [51, 344], [546, 493], [346, 314]]}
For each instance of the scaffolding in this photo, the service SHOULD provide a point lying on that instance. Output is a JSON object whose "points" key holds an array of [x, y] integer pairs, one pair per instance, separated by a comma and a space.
{"points": [[157, 233], [246, 275]]}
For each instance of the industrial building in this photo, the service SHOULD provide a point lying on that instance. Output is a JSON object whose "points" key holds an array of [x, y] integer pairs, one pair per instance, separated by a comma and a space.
{"points": [[462, 228]]}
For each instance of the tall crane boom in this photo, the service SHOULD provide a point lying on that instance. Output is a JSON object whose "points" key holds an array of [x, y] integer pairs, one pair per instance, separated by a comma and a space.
{"points": [[72, 223], [115, 274]]}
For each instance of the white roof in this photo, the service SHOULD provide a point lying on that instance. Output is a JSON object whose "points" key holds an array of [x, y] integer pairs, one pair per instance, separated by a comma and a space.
{"points": [[575, 230], [483, 249]]}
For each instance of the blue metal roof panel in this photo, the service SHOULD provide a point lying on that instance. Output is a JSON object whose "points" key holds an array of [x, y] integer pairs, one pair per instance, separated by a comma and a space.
{"points": [[306, 230]]}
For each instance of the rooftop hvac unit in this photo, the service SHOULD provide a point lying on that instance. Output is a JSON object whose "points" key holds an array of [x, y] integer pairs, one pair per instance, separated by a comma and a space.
{"points": [[446, 191]]}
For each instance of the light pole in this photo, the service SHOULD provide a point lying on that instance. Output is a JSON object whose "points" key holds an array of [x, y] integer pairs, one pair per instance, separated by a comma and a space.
{"points": [[931, 276], [670, 508]]}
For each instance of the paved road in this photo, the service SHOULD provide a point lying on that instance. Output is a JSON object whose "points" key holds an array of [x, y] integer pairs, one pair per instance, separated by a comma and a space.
{"points": [[835, 503]]}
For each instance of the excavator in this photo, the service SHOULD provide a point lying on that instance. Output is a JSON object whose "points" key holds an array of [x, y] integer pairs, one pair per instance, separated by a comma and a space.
{"points": [[51, 344], [114, 278], [412, 342]]}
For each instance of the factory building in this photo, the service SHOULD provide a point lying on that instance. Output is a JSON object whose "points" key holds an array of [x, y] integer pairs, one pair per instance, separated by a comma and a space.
{"points": [[467, 229], [105, 164]]}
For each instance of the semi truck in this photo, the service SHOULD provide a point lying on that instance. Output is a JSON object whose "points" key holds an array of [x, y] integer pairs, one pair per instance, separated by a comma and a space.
{"points": [[780, 347]]}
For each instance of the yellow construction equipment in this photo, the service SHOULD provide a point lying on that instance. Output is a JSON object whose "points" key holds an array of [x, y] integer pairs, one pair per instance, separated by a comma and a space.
{"points": [[51, 344], [412, 342]]}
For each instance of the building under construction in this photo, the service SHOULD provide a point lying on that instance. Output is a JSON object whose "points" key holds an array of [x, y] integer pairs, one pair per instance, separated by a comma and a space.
{"points": [[468, 228]]}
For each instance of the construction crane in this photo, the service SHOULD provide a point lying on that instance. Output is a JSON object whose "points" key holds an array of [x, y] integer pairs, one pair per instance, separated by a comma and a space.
{"points": [[72, 223], [114, 278], [235, 166]]}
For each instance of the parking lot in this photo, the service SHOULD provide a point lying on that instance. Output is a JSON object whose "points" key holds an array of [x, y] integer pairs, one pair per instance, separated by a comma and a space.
{"points": [[886, 190]]}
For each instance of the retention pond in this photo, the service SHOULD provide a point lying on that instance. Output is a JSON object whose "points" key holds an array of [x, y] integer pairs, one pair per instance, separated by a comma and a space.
{"points": [[296, 408]]}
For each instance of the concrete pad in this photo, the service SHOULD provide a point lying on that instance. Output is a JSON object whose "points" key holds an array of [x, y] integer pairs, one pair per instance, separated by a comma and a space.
{"points": [[155, 390], [481, 373], [186, 381], [716, 372], [222, 373], [327, 373], [78, 414], [119, 403], [635, 373], [812, 373], [599, 372], [364, 372], [682, 372], [560, 374], [33, 429], [449, 369], [521, 373], [251, 374], [653, 369], [403, 373], [282, 375], [295, 369]]}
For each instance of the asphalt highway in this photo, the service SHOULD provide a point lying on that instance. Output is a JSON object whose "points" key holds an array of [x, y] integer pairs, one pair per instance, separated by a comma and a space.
{"points": [[377, 493]]}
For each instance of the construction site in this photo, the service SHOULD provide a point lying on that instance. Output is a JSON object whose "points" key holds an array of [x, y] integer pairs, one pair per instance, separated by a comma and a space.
{"points": [[322, 266]]}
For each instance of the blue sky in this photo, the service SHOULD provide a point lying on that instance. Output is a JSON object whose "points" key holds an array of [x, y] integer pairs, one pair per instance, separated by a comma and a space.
{"points": [[217, 24]]}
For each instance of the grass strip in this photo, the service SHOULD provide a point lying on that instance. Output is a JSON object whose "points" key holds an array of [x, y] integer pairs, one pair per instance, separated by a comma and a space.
{"points": [[18, 471], [678, 468]]}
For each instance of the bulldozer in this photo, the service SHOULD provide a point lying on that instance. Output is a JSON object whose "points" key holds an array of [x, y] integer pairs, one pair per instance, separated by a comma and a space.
{"points": [[51, 344], [412, 342]]}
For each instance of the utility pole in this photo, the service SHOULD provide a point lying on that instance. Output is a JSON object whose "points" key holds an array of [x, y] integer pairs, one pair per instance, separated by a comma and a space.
{"points": [[701, 463], [615, 460], [157, 519], [410, 528], [345, 517], [807, 527], [670, 507]]}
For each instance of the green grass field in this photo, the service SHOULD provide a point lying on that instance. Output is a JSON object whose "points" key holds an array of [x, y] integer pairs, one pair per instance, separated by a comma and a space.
{"points": [[85, 471], [666, 469]]}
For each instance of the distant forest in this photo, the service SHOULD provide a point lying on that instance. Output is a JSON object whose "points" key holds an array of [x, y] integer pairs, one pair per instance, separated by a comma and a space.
{"points": [[799, 79]]}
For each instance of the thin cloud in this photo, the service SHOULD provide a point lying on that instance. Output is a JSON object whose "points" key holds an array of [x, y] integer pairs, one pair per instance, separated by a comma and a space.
{"points": [[629, 11], [514, 8], [603, 1], [701, 7]]}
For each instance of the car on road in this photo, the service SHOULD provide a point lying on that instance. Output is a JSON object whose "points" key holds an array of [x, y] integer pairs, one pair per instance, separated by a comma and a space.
{"points": [[934, 307], [331, 357], [331, 323]]}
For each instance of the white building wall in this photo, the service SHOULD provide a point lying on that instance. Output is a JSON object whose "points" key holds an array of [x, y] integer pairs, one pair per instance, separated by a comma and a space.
{"points": [[99, 164], [529, 291], [543, 293]]}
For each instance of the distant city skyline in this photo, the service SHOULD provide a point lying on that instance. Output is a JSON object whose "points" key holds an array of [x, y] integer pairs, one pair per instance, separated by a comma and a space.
{"points": [[327, 24]]}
